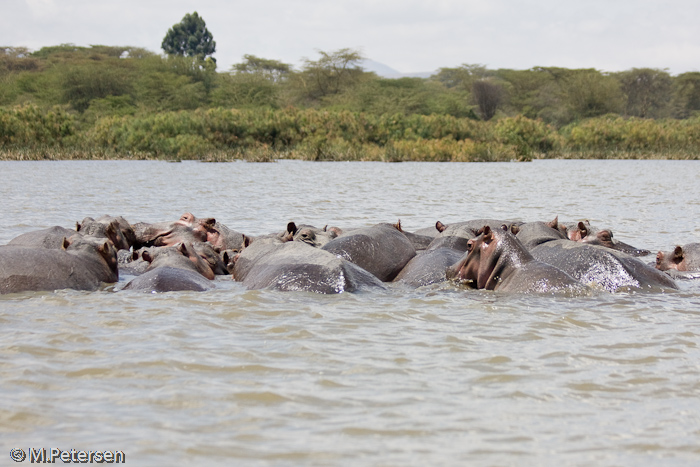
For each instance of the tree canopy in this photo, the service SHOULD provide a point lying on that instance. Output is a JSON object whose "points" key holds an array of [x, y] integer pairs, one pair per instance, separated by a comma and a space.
{"points": [[190, 38]]}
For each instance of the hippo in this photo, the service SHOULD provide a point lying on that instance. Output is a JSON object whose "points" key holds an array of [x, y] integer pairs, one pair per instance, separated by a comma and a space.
{"points": [[584, 233], [475, 225], [177, 268], [381, 249], [682, 258], [296, 266], [166, 234], [597, 265], [428, 267], [51, 237], [532, 234], [181, 256], [169, 279], [497, 260], [208, 253], [116, 229], [131, 263], [83, 263], [309, 234]]}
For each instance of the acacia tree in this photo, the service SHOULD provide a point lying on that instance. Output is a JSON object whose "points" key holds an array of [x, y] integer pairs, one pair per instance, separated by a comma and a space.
{"points": [[272, 70], [190, 38], [332, 73]]}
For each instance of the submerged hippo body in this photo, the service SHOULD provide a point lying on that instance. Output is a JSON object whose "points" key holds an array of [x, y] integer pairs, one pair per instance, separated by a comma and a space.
{"points": [[295, 266], [496, 260], [682, 258], [381, 249], [84, 263], [604, 267], [169, 279], [532, 234], [51, 238], [428, 267]]}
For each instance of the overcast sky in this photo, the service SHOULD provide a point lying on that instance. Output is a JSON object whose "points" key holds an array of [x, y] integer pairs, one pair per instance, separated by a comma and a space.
{"points": [[407, 35]]}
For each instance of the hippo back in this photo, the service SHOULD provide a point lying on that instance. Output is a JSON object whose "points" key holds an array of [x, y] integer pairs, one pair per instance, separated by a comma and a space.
{"points": [[610, 269], [381, 249]]}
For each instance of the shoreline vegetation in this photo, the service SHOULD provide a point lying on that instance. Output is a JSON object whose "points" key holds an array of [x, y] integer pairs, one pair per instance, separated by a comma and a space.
{"points": [[68, 103], [220, 135]]}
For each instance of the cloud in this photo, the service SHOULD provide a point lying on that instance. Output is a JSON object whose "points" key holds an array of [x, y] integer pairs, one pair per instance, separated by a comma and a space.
{"points": [[410, 35]]}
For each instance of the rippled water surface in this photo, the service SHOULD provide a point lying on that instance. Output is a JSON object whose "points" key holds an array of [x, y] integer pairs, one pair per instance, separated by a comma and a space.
{"points": [[435, 376]]}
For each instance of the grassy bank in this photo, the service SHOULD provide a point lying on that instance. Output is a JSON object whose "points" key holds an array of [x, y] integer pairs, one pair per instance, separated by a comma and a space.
{"points": [[29, 133]]}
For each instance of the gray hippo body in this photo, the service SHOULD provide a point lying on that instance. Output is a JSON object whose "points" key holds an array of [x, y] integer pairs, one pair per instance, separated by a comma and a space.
{"points": [[85, 263], [381, 249], [532, 234], [428, 267], [51, 238], [169, 279], [607, 268], [296, 266]]}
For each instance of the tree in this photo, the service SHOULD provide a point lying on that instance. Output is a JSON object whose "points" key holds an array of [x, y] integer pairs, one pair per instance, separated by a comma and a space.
{"points": [[190, 38], [648, 92], [488, 97], [332, 73], [272, 70]]}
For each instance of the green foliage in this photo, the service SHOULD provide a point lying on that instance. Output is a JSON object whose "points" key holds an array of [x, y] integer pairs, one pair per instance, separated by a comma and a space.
{"points": [[272, 70], [648, 92], [189, 38], [528, 137], [28, 126]]}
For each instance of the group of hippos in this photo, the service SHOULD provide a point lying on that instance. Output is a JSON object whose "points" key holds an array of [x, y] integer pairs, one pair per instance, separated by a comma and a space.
{"points": [[188, 254]]}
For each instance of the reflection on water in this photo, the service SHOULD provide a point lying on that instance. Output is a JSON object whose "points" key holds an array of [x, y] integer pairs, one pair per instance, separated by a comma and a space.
{"points": [[438, 376]]}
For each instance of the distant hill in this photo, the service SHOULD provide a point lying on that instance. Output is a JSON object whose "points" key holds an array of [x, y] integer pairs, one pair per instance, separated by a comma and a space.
{"points": [[386, 71]]}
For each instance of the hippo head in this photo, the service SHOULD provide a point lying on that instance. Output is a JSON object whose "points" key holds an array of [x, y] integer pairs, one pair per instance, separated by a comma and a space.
{"points": [[603, 237], [310, 235], [666, 260], [91, 246], [111, 230], [480, 267]]}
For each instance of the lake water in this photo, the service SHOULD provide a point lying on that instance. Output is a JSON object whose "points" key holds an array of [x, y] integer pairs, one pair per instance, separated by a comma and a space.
{"points": [[434, 376]]}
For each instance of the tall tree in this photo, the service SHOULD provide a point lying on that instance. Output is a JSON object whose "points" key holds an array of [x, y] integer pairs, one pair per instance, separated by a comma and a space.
{"points": [[332, 73], [487, 96], [190, 38], [648, 92]]}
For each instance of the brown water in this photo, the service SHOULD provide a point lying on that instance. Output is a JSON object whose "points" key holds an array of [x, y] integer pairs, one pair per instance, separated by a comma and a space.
{"points": [[434, 376]]}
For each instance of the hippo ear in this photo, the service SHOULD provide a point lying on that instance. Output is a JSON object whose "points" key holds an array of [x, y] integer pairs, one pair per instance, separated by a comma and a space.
{"points": [[554, 223], [504, 227], [582, 228], [209, 222], [659, 257], [678, 254], [246, 242], [65, 243], [514, 229], [146, 256], [77, 226], [440, 226], [134, 255], [325, 227], [488, 234], [397, 226], [292, 228], [103, 249], [287, 237]]}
